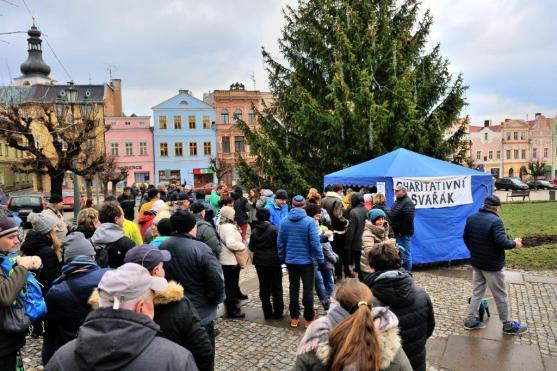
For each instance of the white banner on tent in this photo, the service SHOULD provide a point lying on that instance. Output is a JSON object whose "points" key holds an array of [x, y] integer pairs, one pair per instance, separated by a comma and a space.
{"points": [[437, 192]]}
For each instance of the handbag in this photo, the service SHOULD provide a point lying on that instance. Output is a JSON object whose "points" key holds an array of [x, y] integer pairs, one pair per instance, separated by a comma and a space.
{"points": [[243, 257], [13, 319]]}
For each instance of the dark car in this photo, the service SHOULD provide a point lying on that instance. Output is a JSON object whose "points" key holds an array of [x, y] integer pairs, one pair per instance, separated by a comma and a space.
{"points": [[509, 183], [541, 184], [23, 205]]}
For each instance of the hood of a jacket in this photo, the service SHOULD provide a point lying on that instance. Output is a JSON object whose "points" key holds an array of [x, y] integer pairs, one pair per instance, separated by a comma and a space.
{"points": [[110, 339], [374, 229], [146, 217], [333, 194], [260, 229], [356, 199], [296, 214], [173, 293], [80, 264], [237, 193], [393, 288], [107, 233], [35, 241]]}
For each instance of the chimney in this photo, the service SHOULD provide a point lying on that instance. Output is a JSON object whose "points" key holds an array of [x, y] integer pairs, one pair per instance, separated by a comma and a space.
{"points": [[507, 120], [487, 123], [117, 86], [537, 114], [184, 91]]}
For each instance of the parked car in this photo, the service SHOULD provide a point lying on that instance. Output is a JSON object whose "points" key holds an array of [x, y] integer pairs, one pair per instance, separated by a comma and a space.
{"points": [[510, 183], [16, 219], [21, 206], [541, 184], [67, 199]]}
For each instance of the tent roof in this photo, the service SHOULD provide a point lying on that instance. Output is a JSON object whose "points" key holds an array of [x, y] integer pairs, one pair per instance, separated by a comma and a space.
{"points": [[398, 163]]}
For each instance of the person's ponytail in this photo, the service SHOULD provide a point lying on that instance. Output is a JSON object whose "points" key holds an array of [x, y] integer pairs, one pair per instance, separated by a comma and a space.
{"points": [[355, 341]]}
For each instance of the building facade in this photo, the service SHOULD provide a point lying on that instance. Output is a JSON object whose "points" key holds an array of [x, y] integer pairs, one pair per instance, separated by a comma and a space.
{"points": [[486, 147], [130, 141], [184, 140], [237, 102], [541, 142]]}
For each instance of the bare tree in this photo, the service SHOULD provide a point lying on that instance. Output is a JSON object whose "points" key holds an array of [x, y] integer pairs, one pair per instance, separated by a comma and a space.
{"points": [[111, 173], [53, 148], [220, 168]]}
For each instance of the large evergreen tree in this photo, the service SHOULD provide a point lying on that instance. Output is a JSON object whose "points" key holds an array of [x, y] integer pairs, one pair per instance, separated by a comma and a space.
{"points": [[358, 80]]}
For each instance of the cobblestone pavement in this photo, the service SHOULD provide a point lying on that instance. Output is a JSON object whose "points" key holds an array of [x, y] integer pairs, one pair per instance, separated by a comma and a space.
{"points": [[246, 345]]}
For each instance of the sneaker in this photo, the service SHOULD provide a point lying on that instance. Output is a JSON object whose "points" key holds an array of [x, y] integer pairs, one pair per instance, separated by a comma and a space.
{"points": [[473, 324], [308, 322], [294, 322], [514, 328]]}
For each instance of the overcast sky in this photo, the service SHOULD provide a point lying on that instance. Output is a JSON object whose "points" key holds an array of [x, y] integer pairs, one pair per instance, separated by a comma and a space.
{"points": [[506, 49]]}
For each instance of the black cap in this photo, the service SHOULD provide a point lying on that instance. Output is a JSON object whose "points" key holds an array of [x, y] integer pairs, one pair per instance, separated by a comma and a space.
{"points": [[492, 201], [197, 207], [183, 197], [281, 194], [55, 199], [147, 256]]}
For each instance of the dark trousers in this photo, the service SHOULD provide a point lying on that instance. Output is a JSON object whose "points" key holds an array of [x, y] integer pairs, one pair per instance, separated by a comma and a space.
{"points": [[231, 280], [8, 362], [338, 247], [304, 273], [270, 285], [210, 328]]}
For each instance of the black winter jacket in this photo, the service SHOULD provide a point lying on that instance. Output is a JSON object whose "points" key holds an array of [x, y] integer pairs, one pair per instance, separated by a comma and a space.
{"points": [[9, 290], [412, 306], [263, 244], [242, 207], [120, 340], [41, 246], [197, 269], [128, 205], [357, 217], [485, 237], [402, 216]]}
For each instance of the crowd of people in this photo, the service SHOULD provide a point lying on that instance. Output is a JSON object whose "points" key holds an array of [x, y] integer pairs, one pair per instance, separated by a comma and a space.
{"points": [[137, 283]]}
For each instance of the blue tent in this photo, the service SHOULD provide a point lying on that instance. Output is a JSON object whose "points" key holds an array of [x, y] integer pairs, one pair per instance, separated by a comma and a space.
{"points": [[437, 231]]}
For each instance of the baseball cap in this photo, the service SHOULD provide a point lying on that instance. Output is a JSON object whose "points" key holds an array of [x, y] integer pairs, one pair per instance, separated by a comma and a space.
{"points": [[129, 282], [400, 187], [147, 256]]}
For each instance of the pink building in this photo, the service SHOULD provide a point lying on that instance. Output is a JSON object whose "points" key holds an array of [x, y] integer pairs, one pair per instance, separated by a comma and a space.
{"points": [[541, 144], [130, 141], [486, 147]]}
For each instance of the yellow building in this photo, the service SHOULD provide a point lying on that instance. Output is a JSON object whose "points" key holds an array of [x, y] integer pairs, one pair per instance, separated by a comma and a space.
{"points": [[515, 148]]}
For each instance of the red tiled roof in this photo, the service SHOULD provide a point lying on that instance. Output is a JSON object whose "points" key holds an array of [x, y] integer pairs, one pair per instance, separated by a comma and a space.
{"points": [[474, 129]]}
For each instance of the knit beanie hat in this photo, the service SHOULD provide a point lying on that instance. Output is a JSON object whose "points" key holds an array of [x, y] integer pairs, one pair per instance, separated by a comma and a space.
{"points": [[55, 199], [492, 201], [7, 226], [42, 223], [298, 201], [227, 212], [281, 194], [375, 214], [267, 193], [76, 244]]}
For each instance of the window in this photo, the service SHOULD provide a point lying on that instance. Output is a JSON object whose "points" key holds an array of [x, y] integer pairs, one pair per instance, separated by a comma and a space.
{"points": [[143, 148], [508, 136], [177, 122], [485, 137], [178, 149], [238, 114], [522, 135], [2, 150], [164, 149], [127, 123], [239, 146], [508, 154], [535, 153], [207, 148], [141, 123], [498, 155], [193, 149], [478, 155], [523, 154], [490, 155], [225, 144], [206, 122], [251, 116], [516, 154], [114, 149], [224, 116], [191, 121], [129, 149], [515, 135], [545, 153], [162, 123]]}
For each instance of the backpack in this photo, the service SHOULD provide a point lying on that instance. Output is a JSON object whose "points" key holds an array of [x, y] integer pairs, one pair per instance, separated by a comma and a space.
{"points": [[31, 294]]}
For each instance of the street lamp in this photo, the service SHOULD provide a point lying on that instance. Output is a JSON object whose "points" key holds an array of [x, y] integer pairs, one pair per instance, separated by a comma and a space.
{"points": [[65, 109]]}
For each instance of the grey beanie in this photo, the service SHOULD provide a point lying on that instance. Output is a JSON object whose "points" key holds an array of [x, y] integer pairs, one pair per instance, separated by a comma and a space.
{"points": [[76, 244], [42, 223]]}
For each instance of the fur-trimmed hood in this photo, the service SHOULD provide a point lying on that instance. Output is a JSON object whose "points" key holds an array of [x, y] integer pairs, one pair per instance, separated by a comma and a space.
{"points": [[173, 293]]}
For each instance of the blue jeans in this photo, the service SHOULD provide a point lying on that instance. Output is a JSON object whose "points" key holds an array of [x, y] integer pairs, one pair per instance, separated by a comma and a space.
{"points": [[405, 242], [328, 281], [320, 288]]}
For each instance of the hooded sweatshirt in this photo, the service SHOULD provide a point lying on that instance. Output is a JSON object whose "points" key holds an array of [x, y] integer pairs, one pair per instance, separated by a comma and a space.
{"points": [[298, 239], [110, 237], [133, 345], [263, 244], [357, 217]]}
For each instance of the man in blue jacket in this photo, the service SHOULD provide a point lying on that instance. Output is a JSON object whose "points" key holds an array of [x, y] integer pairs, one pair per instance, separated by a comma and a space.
{"points": [[485, 237], [278, 207], [299, 247]]}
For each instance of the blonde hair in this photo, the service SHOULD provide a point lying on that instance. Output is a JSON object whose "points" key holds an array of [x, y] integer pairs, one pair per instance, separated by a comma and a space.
{"points": [[379, 199], [87, 217]]}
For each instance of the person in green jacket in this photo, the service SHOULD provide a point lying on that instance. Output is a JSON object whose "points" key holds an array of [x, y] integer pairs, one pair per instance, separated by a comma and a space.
{"points": [[353, 335], [214, 200]]}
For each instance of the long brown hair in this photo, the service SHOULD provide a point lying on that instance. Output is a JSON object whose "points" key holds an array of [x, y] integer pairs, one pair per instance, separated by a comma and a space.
{"points": [[355, 340]]}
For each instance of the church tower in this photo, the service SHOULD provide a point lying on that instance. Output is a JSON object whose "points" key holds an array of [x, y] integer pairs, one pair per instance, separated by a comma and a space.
{"points": [[34, 69]]}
